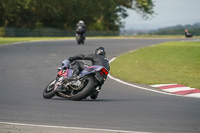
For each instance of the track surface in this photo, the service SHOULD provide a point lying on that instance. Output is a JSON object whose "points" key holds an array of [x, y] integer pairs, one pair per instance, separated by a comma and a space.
{"points": [[27, 68]]}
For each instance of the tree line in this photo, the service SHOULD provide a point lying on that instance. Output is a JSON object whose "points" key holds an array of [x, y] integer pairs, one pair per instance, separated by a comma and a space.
{"points": [[106, 15], [178, 30]]}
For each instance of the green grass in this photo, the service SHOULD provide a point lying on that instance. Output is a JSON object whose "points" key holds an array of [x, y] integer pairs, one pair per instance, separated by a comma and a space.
{"points": [[9, 40], [171, 62]]}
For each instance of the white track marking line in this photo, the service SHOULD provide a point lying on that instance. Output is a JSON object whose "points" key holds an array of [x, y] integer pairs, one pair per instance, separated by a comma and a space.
{"points": [[159, 85], [73, 128], [178, 89]]}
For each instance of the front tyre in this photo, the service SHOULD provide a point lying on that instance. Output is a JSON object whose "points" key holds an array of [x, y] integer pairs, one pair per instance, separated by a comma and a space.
{"points": [[78, 39], [89, 84], [82, 39], [49, 91]]}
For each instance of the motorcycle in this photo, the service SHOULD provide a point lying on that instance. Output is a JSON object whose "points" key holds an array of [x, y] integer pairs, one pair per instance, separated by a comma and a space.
{"points": [[88, 83], [79, 35]]}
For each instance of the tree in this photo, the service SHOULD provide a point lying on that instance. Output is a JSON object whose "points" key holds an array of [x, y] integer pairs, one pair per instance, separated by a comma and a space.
{"points": [[105, 15]]}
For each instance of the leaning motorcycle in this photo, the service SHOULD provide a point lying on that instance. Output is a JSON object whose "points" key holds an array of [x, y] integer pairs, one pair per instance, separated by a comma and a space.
{"points": [[88, 83], [79, 35]]}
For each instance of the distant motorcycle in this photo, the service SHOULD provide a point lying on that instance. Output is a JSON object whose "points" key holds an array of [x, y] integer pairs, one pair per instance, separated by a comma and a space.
{"points": [[86, 84], [79, 35]]}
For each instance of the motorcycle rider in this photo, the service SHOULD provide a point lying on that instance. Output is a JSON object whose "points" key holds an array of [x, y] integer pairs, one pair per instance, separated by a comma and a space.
{"points": [[81, 25], [187, 33], [97, 58]]}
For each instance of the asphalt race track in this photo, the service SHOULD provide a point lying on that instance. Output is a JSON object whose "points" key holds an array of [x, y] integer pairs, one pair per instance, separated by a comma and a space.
{"points": [[26, 69]]}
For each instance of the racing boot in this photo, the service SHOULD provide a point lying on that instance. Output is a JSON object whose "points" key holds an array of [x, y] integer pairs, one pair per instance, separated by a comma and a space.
{"points": [[94, 95]]}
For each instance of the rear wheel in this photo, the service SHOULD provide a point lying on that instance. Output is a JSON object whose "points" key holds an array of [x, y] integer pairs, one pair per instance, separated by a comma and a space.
{"points": [[49, 91], [85, 91]]}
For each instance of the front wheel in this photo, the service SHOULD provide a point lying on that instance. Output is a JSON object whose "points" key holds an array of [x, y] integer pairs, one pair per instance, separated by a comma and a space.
{"points": [[49, 91], [78, 38], [85, 91], [82, 40]]}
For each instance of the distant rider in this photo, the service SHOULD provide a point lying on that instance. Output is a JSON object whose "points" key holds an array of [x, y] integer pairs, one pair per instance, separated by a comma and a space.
{"points": [[187, 33], [81, 28]]}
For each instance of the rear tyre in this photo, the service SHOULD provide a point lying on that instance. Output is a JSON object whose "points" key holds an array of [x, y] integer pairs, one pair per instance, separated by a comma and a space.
{"points": [[49, 91], [84, 92]]}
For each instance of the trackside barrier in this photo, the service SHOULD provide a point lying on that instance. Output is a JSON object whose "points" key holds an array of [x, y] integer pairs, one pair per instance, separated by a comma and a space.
{"points": [[2, 31], [49, 32]]}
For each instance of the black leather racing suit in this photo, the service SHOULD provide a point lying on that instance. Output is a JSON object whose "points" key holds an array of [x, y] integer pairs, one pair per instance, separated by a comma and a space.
{"points": [[83, 29], [94, 58]]}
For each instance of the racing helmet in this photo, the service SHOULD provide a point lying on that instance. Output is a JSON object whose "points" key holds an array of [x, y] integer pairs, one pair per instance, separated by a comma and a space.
{"points": [[100, 51], [81, 22]]}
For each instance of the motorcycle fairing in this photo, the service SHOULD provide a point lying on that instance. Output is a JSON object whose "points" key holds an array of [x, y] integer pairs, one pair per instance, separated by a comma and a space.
{"points": [[65, 73], [97, 70], [91, 69]]}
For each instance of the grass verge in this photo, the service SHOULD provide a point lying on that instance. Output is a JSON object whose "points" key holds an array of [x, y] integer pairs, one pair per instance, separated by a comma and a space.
{"points": [[171, 62], [9, 40]]}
